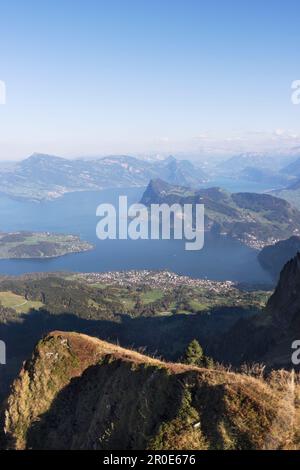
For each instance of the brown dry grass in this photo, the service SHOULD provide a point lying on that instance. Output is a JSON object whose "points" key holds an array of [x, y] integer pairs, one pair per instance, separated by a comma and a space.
{"points": [[265, 409]]}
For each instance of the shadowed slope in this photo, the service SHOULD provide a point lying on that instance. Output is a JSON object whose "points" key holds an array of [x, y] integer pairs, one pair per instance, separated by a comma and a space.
{"points": [[79, 392]]}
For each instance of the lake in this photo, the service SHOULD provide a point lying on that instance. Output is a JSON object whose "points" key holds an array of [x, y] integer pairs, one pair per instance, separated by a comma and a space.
{"points": [[75, 213]]}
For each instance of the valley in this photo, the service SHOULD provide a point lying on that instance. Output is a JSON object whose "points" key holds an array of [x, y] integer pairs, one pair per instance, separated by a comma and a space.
{"points": [[142, 313], [144, 309], [236, 326]]}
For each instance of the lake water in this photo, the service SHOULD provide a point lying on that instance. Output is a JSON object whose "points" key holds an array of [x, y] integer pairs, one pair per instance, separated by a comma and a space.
{"points": [[75, 213]]}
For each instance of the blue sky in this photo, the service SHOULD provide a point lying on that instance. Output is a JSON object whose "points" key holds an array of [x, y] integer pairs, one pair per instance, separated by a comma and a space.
{"points": [[87, 77]]}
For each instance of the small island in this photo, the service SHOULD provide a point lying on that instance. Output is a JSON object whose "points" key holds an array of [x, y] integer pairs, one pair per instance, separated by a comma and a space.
{"points": [[32, 245]]}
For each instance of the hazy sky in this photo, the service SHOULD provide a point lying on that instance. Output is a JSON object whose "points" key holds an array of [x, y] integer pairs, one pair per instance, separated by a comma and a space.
{"points": [[90, 77]]}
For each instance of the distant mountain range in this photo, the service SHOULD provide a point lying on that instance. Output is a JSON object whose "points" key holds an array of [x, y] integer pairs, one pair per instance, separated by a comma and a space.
{"points": [[254, 219], [292, 190], [263, 161], [258, 167], [47, 177], [42, 176]]}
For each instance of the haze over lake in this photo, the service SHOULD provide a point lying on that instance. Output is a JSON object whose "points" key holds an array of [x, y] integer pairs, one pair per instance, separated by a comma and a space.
{"points": [[75, 213]]}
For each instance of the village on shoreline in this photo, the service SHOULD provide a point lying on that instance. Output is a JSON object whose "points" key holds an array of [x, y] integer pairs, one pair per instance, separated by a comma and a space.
{"points": [[164, 280]]}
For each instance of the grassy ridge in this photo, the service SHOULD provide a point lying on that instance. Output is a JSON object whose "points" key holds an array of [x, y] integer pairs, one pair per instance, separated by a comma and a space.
{"points": [[71, 395]]}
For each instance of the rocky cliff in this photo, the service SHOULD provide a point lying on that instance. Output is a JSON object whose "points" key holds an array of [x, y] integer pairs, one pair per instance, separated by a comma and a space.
{"points": [[273, 257], [268, 337]]}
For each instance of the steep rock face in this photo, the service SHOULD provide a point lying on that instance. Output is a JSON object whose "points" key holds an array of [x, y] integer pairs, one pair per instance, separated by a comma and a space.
{"points": [[284, 304], [273, 258], [268, 337], [78, 392]]}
